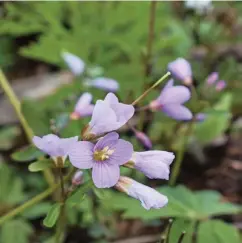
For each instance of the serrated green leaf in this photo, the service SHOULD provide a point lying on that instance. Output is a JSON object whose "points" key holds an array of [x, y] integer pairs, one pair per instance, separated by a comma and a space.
{"points": [[16, 230], [183, 203], [40, 165], [52, 215], [27, 154]]}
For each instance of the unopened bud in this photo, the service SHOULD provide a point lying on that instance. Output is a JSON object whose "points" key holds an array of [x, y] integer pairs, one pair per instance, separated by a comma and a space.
{"points": [[77, 179]]}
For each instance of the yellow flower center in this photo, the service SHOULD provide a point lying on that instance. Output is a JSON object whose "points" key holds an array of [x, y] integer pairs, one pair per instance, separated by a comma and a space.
{"points": [[104, 154]]}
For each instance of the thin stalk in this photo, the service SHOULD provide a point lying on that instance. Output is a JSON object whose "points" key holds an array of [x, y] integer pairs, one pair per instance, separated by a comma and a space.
{"points": [[180, 155], [27, 129], [28, 204], [60, 227], [151, 88], [32, 201]]}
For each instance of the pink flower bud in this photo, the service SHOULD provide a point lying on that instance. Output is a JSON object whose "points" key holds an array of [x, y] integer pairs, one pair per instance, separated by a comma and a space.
{"points": [[77, 179], [212, 78], [144, 139], [220, 85]]}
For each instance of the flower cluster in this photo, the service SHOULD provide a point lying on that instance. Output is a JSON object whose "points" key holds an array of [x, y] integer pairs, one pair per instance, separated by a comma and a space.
{"points": [[171, 101], [102, 151], [77, 67], [212, 80]]}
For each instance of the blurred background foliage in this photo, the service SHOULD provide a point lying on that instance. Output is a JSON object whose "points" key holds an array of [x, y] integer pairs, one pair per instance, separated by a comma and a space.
{"points": [[112, 39]]}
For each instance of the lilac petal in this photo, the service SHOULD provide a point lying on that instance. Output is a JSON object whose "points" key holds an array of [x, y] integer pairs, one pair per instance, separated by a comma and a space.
{"points": [[103, 119], [103, 83], [122, 153], [154, 164], [87, 111], [83, 101], [149, 197], [180, 69], [123, 112], [177, 112], [169, 84], [81, 155], [178, 94], [111, 99], [75, 64], [105, 175], [109, 140], [48, 144], [200, 117], [66, 144]]}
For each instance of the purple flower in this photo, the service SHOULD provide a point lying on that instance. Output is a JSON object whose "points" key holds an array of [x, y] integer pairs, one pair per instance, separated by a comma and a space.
{"points": [[221, 84], [83, 107], [148, 197], [54, 146], [154, 164], [144, 139], [171, 102], [108, 115], [75, 64], [77, 179], [104, 158], [181, 70], [106, 84], [212, 78], [200, 117]]}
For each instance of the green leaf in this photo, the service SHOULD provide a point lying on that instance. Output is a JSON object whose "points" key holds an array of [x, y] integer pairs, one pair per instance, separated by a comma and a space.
{"points": [[27, 154], [11, 191], [52, 216], [8, 137], [16, 230], [40, 165], [216, 122], [179, 226], [216, 231], [37, 210], [183, 203], [79, 194]]}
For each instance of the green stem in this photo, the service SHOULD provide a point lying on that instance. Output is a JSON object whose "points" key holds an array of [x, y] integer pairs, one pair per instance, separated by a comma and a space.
{"points": [[60, 227], [33, 201], [180, 155], [28, 204], [151, 88], [27, 129]]}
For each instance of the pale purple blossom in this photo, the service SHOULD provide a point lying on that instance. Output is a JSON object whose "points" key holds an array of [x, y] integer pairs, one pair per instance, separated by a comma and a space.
{"points": [[144, 139], [181, 70], [154, 164], [171, 102], [108, 115], [55, 146], [200, 6], [104, 83], [148, 197], [74, 63], [77, 179], [212, 78], [200, 117], [83, 107], [104, 158], [221, 84]]}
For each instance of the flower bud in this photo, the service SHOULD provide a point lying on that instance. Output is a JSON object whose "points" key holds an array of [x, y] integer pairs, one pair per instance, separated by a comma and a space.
{"points": [[212, 78], [148, 197], [220, 85], [144, 139], [77, 179]]}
